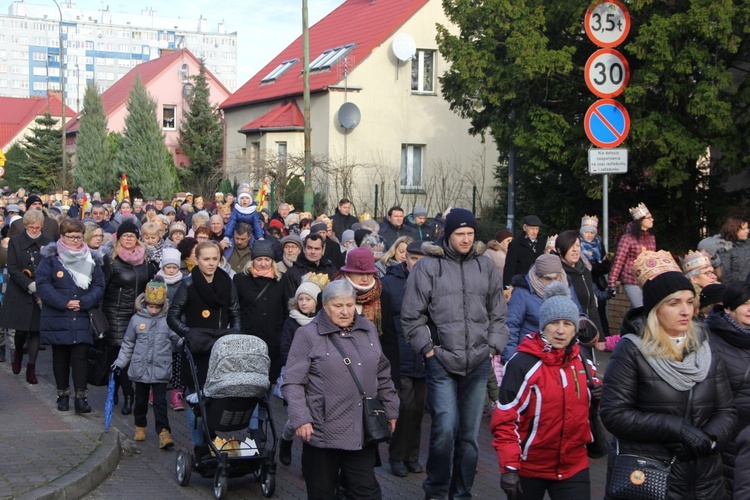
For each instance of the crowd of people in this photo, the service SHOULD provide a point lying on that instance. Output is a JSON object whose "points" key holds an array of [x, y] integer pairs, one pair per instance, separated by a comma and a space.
{"points": [[416, 313]]}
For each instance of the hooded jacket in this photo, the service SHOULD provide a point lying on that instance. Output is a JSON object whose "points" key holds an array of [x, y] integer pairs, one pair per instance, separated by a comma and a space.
{"points": [[454, 303], [420, 233], [645, 414], [411, 364], [321, 391], [55, 286], [147, 345], [541, 423]]}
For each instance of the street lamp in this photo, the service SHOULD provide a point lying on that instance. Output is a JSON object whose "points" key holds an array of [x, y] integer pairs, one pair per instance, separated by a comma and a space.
{"points": [[62, 88], [78, 89]]}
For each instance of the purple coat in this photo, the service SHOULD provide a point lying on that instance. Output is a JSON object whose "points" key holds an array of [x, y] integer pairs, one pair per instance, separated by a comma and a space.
{"points": [[319, 388]]}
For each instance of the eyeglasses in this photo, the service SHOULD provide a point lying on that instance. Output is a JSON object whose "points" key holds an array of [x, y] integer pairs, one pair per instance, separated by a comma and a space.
{"points": [[73, 238], [97, 235]]}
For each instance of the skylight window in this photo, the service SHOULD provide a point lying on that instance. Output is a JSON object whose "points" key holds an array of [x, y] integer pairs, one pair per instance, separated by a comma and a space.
{"points": [[330, 56], [280, 70]]}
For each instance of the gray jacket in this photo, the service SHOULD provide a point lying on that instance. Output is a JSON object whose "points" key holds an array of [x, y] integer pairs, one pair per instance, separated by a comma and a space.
{"points": [[147, 346], [455, 304], [319, 388]]}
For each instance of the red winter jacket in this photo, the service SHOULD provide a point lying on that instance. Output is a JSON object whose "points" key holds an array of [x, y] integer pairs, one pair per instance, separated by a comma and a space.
{"points": [[541, 423]]}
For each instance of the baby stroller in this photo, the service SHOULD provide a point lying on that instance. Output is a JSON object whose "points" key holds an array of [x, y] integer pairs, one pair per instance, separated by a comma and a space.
{"points": [[236, 382]]}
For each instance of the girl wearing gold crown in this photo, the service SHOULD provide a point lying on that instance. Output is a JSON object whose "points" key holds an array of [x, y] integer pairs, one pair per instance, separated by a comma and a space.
{"points": [[637, 238]]}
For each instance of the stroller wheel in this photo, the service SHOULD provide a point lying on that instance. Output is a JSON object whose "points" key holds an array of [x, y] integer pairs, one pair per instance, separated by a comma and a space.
{"points": [[183, 467], [267, 482], [220, 484]]}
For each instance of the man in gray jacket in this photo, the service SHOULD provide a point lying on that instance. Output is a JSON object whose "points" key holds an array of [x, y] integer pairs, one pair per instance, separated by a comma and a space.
{"points": [[454, 315]]}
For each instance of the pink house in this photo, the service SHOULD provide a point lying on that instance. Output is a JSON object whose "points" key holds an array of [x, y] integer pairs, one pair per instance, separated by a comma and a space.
{"points": [[168, 81]]}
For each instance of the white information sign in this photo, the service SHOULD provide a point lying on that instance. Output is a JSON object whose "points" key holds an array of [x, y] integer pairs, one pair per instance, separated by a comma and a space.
{"points": [[607, 23], [608, 161]]}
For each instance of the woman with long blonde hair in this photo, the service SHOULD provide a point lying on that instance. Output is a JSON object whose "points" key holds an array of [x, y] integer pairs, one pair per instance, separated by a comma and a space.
{"points": [[665, 397], [394, 256]]}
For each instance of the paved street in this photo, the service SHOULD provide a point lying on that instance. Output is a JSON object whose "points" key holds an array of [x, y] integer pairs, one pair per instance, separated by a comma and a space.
{"points": [[39, 445]]}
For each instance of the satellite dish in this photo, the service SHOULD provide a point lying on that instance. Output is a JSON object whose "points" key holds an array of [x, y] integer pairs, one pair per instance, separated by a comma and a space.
{"points": [[404, 47], [349, 116]]}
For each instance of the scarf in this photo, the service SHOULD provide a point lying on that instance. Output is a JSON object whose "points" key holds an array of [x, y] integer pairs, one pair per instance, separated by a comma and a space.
{"points": [[369, 298], [153, 253], [301, 318], [78, 262], [538, 283], [169, 280], [216, 294], [133, 257], [740, 337], [593, 250], [268, 273], [681, 375], [246, 210]]}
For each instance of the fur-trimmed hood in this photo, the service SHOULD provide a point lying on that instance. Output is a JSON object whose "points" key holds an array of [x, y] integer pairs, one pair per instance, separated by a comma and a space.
{"points": [[436, 249], [140, 307], [50, 250]]}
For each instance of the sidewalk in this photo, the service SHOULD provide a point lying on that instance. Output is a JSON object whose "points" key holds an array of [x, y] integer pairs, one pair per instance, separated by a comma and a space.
{"points": [[45, 453]]}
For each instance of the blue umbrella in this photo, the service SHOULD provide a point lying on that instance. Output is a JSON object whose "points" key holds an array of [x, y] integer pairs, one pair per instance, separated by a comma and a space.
{"points": [[110, 403]]}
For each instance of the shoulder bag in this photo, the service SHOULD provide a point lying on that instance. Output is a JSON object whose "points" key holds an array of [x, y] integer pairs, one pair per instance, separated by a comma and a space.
{"points": [[641, 478], [98, 325], [375, 428]]}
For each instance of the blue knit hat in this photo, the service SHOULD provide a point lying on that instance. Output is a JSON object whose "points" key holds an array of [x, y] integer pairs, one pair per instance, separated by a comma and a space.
{"points": [[557, 305], [459, 217]]}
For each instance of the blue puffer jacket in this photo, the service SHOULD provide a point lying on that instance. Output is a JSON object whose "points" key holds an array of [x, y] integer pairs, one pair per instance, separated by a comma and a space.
{"points": [[411, 364], [523, 313], [55, 286]]}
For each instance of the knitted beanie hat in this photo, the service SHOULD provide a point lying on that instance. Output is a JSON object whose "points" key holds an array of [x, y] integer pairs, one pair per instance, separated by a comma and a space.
{"points": [[128, 226], [712, 294], [557, 305], [663, 285], [262, 248], [308, 288], [170, 255], [736, 293], [459, 217]]}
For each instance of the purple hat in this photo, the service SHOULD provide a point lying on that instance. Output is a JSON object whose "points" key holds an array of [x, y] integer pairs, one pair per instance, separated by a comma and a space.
{"points": [[361, 261]]}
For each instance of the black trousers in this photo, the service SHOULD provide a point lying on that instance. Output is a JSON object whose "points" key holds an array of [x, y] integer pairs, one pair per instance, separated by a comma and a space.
{"points": [[140, 409], [577, 487], [406, 439], [67, 357], [321, 468]]}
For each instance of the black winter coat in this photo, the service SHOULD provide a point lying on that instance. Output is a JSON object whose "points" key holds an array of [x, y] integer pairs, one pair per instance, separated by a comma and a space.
{"points": [[521, 256], [19, 309], [742, 484], [341, 223], [59, 325], [123, 284], [264, 316], [293, 276], [645, 414], [732, 348], [391, 233], [410, 364], [420, 233], [580, 277]]}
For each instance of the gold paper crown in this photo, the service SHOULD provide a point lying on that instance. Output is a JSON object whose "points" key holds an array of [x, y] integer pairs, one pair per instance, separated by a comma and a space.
{"points": [[694, 260], [550, 242], [639, 212], [590, 220], [320, 279], [649, 264], [156, 293]]}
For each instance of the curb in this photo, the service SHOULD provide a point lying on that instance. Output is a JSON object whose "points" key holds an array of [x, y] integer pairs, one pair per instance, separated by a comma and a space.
{"points": [[87, 476]]}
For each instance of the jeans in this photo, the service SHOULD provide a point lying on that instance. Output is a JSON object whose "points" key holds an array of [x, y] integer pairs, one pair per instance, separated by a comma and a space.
{"points": [[634, 294], [456, 404], [195, 425]]}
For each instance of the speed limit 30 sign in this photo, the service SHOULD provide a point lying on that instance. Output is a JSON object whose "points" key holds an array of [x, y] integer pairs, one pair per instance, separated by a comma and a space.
{"points": [[607, 23], [607, 73]]}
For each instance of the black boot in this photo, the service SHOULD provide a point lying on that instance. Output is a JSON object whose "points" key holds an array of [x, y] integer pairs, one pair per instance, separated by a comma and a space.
{"points": [[127, 404], [82, 405], [285, 451], [63, 400], [2, 354]]}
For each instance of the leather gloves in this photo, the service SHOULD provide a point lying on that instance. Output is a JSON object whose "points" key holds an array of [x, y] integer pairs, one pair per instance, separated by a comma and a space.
{"points": [[596, 391], [510, 482], [695, 443], [611, 292]]}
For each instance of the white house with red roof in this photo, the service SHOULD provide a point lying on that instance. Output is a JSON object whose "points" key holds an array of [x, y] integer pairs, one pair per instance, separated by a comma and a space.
{"points": [[167, 79], [17, 115], [382, 57]]}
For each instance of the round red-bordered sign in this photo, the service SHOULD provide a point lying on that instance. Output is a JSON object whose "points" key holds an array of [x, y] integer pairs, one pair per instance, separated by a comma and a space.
{"points": [[607, 23], [607, 73], [607, 123]]}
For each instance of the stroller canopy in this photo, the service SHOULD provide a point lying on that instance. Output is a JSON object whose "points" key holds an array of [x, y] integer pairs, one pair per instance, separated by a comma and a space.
{"points": [[238, 368]]}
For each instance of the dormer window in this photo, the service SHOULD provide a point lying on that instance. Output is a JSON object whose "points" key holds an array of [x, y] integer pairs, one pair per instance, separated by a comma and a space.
{"points": [[330, 56], [280, 70]]}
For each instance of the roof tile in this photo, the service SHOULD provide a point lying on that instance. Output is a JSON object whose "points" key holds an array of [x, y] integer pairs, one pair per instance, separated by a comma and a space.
{"points": [[284, 116], [19, 112]]}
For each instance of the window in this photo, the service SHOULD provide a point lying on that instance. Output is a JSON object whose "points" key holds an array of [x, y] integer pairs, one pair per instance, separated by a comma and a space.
{"points": [[282, 155], [329, 57], [280, 70], [412, 160], [168, 117], [185, 73], [422, 72]]}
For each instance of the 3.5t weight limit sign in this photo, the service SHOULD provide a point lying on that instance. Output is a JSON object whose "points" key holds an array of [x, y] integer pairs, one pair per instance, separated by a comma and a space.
{"points": [[607, 23], [607, 73]]}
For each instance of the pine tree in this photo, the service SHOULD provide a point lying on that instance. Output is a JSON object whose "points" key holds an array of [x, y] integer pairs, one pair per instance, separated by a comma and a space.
{"points": [[43, 148], [95, 167], [201, 139], [16, 161], [143, 155]]}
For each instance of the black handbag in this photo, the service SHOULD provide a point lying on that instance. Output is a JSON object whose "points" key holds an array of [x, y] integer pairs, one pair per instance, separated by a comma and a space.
{"points": [[97, 366], [98, 324], [641, 478], [375, 427], [599, 447]]}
